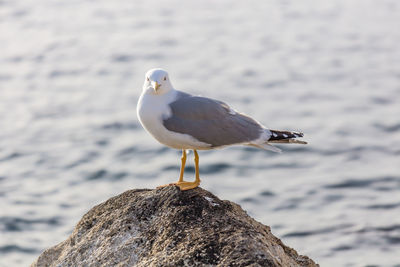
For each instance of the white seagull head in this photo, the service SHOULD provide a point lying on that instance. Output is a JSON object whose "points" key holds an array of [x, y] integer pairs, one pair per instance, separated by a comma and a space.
{"points": [[157, 82]]}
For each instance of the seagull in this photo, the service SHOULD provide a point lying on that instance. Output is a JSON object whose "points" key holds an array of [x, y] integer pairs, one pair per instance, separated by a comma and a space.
{"points": [[187, 122]]}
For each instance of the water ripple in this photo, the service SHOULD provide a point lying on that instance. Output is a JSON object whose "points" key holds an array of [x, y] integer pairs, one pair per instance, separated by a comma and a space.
{"points": [[215, 168], [14, 224], [385, 229], [267, 193], [88, 157], [15, 248], [377, 183], [104, 174], [119, 126], [391, 128], [342, 248], [61, 73], [384, 206], [11, 156], [350, 184], [321, 231], [122, 58]]}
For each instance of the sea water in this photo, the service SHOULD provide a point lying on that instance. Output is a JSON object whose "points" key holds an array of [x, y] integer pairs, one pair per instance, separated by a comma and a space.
{"points": [[71, 73]]}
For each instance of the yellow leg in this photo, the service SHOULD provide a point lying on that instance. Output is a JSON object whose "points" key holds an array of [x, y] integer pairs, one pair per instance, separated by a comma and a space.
{"points": [[183, 185], [183, 160], [196, 161], [190, 185]]}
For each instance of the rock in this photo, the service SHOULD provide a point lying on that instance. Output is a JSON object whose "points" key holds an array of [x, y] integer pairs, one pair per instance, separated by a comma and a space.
{"points": [[169, 227]]}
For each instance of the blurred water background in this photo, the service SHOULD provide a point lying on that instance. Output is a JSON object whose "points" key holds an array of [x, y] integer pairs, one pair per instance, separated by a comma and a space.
{"points": [[71, 73]]}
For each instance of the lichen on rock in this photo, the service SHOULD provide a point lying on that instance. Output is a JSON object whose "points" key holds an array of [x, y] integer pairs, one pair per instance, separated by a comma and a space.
{"points": [[169, 227]]}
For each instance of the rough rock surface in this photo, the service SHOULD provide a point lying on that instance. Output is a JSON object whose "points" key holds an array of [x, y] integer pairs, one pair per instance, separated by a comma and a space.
{"points": [[167, 227]]}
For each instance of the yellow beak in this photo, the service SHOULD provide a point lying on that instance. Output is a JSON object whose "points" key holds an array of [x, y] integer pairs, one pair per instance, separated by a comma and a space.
{"points": [[156, 86]]}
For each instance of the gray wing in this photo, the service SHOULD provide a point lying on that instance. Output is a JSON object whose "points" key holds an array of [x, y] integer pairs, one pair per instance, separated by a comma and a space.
{"points": [[211, 121]]}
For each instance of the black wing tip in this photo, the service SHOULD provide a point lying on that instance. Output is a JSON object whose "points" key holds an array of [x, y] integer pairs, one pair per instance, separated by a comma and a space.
{"points": [[283, 135], [298, 134]]}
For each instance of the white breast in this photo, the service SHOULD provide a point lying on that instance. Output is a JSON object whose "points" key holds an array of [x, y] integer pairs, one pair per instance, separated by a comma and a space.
{"points": [[151, 111]]}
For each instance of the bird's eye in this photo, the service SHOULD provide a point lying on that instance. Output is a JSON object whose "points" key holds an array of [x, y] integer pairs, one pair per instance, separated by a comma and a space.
{"points": [[165, 78], [148, 79]]}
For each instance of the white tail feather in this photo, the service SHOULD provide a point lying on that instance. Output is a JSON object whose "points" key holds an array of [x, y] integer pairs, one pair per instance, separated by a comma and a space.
{"points": [[266, 146], [289, 141]]}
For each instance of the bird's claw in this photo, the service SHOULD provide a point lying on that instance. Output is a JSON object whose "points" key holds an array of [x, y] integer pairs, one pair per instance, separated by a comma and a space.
{"points": [[183, 185]]}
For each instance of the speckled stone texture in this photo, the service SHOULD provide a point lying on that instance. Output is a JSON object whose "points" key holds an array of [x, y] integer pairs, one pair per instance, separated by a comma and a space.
{"points": [[167, 227]]}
